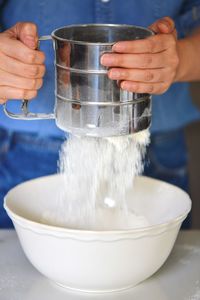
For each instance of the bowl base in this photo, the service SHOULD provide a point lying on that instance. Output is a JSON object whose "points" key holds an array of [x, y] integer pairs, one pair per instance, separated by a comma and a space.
{"points": [[88, 291]]}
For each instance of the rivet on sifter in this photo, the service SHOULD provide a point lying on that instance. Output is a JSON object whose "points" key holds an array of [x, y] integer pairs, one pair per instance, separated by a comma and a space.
{"points": [[76, 106]]}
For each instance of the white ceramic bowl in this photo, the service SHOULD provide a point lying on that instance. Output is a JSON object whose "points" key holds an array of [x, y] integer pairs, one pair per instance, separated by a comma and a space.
{"points": [[98, 261]]}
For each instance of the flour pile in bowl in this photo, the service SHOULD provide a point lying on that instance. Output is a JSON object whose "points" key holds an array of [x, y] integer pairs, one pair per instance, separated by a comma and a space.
{"points": [[97, 174]]}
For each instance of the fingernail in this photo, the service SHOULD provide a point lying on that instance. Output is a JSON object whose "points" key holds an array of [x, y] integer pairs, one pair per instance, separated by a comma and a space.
{"points": [[31, 40], [118, 47], [106, 60], [164, 25], [125, 85], [114, 74]]}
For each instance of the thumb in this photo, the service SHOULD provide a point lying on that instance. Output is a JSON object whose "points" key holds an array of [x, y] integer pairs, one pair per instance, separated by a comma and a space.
{"points": [[26, 33], [164, 25]]}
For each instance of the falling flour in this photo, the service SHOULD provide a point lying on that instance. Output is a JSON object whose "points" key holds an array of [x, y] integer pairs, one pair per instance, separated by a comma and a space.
{"points": [[97, 173]]}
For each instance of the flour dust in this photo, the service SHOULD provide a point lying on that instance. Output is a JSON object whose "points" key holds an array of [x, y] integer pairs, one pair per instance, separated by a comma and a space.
{"points": [[97, 173]]}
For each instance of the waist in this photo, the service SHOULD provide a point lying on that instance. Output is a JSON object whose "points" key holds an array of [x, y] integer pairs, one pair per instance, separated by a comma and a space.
{"points": [[31, 140]]}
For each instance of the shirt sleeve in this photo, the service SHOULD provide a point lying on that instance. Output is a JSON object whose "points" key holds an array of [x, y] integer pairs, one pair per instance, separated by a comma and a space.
{"points": [[189, 18]]}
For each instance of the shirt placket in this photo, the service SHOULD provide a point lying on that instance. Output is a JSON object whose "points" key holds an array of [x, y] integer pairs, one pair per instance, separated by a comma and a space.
{"points": [[103, 12]]}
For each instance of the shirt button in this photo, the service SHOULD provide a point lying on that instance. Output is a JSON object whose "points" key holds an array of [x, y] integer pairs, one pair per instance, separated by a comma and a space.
{"points": [[105, 1]]}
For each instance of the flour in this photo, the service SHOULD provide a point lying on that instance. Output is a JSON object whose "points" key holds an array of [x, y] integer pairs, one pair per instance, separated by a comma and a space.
{"points": [[196, 295], [97, 174]]}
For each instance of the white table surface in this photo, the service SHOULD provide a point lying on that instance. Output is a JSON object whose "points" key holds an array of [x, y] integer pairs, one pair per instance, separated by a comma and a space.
{"points": [[178, 279]]}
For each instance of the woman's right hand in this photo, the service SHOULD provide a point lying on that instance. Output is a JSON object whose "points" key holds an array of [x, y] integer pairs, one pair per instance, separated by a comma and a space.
{"points": [[21, 65]]}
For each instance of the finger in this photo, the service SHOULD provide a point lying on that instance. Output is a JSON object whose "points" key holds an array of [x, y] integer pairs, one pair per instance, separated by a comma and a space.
{"points": [[142, 87], [140, 61], [25, 32], [164, 25], [7, 92], [144, 75], [3, 100], [7, 79], [153, 44], [16, 67], [21, 52]]}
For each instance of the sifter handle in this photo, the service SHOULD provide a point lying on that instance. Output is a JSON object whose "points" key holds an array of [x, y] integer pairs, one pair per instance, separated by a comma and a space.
{"points": [[26, 115]]}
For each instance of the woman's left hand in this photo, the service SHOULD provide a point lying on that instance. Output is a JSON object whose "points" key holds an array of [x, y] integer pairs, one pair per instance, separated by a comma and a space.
{"points": [[148, 65]]}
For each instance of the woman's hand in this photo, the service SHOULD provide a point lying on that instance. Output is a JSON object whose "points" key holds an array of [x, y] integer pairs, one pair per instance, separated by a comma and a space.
{"points": [[21, 66], [148, 65]]}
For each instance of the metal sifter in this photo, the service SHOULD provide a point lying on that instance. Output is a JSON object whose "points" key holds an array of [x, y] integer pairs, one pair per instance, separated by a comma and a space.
{"points": [[87, 101]]}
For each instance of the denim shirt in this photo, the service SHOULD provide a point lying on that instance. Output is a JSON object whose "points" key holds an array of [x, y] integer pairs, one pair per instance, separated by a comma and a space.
{"points": [[172, 110]]}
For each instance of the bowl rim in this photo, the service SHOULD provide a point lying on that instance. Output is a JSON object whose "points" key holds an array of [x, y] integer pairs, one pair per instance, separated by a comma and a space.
{"points": [[55, 230]]}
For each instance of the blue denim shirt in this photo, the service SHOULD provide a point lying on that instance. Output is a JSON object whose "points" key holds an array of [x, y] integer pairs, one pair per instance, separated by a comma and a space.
{"points": [[172, 110]]}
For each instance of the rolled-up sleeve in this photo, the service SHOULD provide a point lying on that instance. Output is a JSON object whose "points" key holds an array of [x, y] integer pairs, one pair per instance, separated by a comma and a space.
{"points": [[189, 17]]}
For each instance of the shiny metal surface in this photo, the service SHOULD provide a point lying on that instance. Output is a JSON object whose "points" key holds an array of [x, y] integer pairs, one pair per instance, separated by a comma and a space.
{"points": [[87, 101], [26, 114]]}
